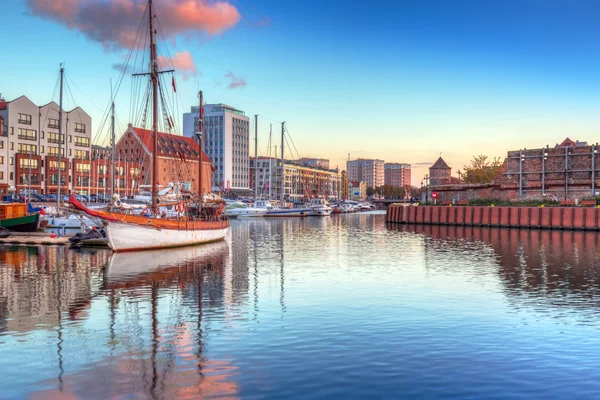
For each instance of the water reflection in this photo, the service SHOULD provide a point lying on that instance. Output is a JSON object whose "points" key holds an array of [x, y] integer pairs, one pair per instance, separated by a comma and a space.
{"points": [[341, 307], [538, 268]]}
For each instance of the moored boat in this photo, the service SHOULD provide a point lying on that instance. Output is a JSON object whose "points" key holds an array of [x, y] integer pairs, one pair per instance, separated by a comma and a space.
{"points": [[241, 210], [14, 217], [319, 208], [273, 211]]}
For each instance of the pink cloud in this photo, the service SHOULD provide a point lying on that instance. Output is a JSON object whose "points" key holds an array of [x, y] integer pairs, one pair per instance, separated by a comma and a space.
{"points": [[236, 82], [114, 23], [182, 62]]}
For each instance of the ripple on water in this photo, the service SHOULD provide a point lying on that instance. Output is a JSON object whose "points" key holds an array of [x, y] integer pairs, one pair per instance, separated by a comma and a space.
{"points": [[340, 307]]}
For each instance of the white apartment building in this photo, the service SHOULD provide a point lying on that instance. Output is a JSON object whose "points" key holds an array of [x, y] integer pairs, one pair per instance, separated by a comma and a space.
{"points": [[226, 142], [30, 143], [370, 171], [302, 182]]}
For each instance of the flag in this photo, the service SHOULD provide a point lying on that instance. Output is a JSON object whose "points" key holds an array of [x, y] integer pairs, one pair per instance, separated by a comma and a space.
{"points": [[173, 83]]}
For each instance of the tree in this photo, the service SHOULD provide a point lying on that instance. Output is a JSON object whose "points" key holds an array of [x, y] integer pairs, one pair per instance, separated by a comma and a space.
{"points": [[481, 170], [370, 191]]}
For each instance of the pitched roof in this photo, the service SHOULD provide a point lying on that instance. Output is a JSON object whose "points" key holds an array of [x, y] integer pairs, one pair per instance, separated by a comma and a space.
{"points": [[569, 143], [440, 164], [170, 145]]}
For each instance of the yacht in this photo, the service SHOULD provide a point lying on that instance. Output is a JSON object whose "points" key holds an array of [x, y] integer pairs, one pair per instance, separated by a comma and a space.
{"points": [[241, 210], [319, 207], [273, 211]]}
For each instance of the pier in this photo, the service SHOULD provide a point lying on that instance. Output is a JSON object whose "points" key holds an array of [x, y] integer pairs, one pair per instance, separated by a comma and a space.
{"points": [[35, 238], [580, 218]]}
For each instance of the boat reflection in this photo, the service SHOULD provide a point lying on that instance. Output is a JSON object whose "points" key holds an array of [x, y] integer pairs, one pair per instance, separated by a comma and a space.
{"points": [[141, 268]]}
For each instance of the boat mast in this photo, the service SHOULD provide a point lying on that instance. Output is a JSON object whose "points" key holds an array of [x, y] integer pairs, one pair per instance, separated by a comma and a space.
{"points": [[282, 166], [270, 170], [112, 165], [60, 136], [154, 79], [200, 149], [255, 156]]}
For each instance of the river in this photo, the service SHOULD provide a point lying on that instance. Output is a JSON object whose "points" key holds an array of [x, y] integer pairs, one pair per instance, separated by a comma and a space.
{"points": [[340, 307]]}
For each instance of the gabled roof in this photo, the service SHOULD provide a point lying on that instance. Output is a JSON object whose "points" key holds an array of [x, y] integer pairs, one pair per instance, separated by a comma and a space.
{"points": [[170, 145], [440, 164], [569, 143]]}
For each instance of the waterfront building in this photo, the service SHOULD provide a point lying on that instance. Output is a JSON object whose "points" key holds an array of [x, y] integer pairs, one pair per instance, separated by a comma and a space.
{"points": [[3, 152], [315, 162], [302, 182], [439, 173], [226, 142], [371, 171], [30, 137], [177, 162], [357, 191], [344, 185], [397, 174]]}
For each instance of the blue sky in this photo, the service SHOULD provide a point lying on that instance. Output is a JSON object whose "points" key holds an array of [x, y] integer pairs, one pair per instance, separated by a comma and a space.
{"points": [[396, 80]]}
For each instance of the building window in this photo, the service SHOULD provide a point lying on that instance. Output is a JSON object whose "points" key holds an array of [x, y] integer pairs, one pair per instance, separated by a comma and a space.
{"points": [[79, 128], [12, 161], [27, 134], [83, 168], [28, 163], [11, 176], [25, 119], [42, 149], [52, 123], [1, 159], [80, 154], [53, 151], [1, 174], [27, 148], [53, 137], [53, 165]]}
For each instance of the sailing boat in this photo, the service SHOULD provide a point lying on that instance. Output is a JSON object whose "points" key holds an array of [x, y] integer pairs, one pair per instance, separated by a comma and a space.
{"points": [[198, 223]]}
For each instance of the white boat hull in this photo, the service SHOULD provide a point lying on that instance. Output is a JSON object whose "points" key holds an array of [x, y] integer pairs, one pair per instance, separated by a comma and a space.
{"points": [[131, 237], [320, 212], [292, 212], [246, 212]]}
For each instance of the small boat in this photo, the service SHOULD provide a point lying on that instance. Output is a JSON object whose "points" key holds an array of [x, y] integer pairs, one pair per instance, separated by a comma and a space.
{"points": [[16, 218], [71, 222], [241, 210], [4, 233], [93, 237], [273, 211], [319, 208]]}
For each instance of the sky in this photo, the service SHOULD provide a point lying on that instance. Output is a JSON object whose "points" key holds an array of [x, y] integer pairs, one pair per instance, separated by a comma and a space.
{"points": [[402, 81]]}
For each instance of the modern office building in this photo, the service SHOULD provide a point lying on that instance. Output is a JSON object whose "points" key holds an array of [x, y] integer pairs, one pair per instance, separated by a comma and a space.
{"points": [[226, 142], [366, 170]]}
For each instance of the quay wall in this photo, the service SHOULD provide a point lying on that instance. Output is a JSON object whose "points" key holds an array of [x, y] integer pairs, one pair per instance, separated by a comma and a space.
{"points": [[580, 218]]}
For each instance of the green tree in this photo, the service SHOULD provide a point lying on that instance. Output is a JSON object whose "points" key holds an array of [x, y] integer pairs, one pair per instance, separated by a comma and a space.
{"points": [[370, 191], [480, 170]]}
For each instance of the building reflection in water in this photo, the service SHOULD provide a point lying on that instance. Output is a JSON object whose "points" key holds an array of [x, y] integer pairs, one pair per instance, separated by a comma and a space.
{"points": [[129, 324], [537, 268]]}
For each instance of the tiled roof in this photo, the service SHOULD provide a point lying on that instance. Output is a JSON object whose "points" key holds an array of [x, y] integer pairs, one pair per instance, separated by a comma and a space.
{"points": [[440, 164], [170, 145]]}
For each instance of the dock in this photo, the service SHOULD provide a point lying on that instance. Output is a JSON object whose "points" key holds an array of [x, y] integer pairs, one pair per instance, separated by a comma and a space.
{"points": [[35, 239], [574, 218]]}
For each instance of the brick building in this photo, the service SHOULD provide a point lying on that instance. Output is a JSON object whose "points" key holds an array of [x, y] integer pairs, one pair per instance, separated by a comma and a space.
{"points": [[439, 173], [569, 170], [177, 160], [397, 174]]}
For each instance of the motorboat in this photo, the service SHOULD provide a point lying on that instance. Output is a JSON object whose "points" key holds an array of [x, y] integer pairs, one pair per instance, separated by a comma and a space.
{"points": [[241, 210], [73, 221], [273, 211], [319, 208]]}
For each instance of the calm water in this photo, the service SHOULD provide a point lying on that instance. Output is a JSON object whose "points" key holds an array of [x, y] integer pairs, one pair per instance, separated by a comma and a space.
{"points": [[340, 307]]}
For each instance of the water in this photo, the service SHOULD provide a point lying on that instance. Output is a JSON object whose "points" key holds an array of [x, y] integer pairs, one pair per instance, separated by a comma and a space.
{"points": [[340, 307]]}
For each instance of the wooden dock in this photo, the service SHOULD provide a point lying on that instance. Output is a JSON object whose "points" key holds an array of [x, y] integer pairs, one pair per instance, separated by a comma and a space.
{"points": [[35, 239]]}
